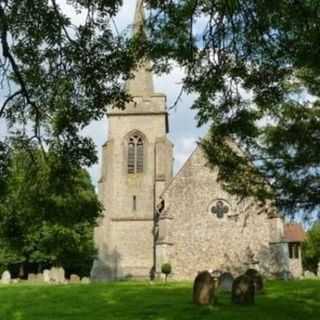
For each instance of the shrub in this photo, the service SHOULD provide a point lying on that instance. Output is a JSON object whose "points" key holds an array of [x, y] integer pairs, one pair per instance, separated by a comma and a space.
{"points": [[166, 269]]}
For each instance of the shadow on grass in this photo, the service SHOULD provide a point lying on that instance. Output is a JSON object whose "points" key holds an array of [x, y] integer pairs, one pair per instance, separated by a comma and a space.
{"points": [[296, 300]]}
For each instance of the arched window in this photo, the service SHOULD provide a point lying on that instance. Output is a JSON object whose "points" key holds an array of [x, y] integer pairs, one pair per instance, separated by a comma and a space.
{"points": [[135, 154]]}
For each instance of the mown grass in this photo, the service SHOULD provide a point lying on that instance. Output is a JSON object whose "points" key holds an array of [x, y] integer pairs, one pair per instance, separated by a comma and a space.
{"points": [[294, 300]]}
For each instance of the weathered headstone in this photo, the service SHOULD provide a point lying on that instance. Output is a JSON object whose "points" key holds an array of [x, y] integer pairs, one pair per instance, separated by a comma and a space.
{"points": [[74, 278], [309, 275], [318, 272], [243, 290], [204, 289], [46, 276], [62, 277], [32, 277], [225, 281], [257, 280], [53, 275], [57, 275], [39, 277], [15, 281], [85, 280], [6, 277]]}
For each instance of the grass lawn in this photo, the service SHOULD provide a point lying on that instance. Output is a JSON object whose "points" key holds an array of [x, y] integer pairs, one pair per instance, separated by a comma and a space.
{"points": [[294, 300]]}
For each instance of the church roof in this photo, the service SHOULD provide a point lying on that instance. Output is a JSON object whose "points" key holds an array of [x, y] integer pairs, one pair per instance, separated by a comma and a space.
{"points": [[294, 232]]}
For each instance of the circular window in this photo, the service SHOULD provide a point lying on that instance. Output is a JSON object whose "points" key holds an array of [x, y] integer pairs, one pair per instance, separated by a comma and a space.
{"points": [[220, 209]]}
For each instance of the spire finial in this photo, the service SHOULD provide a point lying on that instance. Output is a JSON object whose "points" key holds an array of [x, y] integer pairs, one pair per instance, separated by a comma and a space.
{"points": [[142, 83], [138, 17]]}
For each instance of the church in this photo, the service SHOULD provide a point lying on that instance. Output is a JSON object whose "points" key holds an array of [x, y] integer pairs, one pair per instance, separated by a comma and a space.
{"points": [[188, 220]]}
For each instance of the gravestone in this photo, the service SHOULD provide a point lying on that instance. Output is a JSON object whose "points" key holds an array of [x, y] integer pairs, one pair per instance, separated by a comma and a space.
{"points": [[53, 275], [74, 278], [6, 277], [204, 289], [39, 277], [243, 290], [57, 275], [309, 275], [225, 281], [32, 277], [46, 276], [61, 275], [85, 280], [257, 280], [318, 272]]}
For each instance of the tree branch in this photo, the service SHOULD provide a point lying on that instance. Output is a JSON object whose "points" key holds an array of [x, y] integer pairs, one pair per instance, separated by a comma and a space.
{"points": [[8, 100]]}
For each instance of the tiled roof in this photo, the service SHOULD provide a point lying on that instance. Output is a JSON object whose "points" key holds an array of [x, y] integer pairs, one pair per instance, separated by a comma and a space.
{"points": [[294, 232]]}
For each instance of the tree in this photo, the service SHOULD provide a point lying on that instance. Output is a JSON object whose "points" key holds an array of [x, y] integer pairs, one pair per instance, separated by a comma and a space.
{"points": [[311, 249], [255, 70], [57, 77], [44, 219], [253, 65]]}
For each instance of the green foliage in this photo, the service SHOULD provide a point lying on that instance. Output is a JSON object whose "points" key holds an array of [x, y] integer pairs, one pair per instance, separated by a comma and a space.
{"points": [[166, 269], [311, 249], [47, 215], [138, 300], [254, 68], [57, 76]]}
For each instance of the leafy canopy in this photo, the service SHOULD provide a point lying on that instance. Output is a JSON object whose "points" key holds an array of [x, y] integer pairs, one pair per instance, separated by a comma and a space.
{"points": [[311, 249], [45, 219], [58, 76], [254, 67]]}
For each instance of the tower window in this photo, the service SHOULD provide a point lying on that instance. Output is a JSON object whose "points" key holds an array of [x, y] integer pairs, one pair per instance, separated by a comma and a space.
{"points": [[135, 154]]}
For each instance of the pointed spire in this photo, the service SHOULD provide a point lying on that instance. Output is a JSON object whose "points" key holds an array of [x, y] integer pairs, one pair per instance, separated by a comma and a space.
{"points": [[142, 83], [138, 16]]}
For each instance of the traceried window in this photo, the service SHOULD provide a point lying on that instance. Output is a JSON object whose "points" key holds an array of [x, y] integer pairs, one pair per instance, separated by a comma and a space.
{"points": [[135, 154]]}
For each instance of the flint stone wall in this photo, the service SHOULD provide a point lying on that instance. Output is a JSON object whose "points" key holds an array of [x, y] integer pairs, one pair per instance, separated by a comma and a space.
{"points": [[192, 238]]}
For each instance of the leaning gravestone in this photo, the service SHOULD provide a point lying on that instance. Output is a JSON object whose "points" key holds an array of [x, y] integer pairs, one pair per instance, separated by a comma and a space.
{"points": [[6, 277], [225, 281], [243, 290], [74, 278], [204, 289], [256, 278]]}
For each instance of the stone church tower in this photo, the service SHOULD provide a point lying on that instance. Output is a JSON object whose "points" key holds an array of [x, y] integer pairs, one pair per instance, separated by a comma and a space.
{"points": [[136, 167]]}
